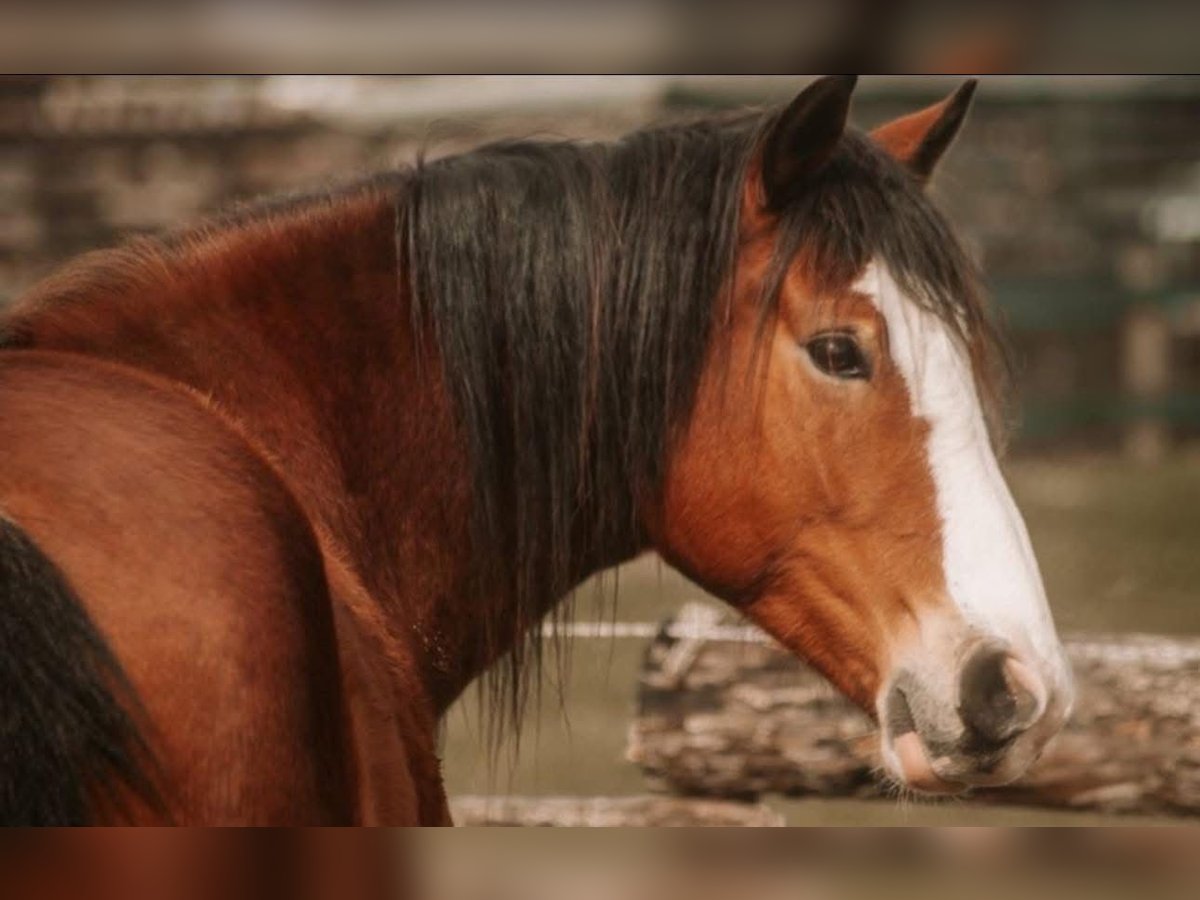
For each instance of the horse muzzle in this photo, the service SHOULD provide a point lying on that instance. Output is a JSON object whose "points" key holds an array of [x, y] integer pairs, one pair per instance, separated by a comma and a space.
{"points": [[982, 721]]}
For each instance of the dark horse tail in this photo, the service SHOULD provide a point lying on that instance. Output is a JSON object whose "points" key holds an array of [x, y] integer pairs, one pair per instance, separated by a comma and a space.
{"points": [[69, 746]]}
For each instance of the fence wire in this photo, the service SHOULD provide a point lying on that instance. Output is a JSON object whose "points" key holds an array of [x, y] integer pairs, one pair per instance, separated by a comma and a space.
{"points": [[702, 622]]}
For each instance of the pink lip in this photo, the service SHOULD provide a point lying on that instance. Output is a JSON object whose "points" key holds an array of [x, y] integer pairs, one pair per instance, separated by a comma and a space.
{"points": [[916, 768]]}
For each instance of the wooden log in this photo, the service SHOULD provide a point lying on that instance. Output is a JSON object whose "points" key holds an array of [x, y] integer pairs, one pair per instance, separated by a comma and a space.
{"points": [[610, 812], [744, 718]]}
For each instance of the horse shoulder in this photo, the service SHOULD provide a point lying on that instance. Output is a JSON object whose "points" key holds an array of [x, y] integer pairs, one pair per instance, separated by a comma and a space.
{"points": [[203, 574]]}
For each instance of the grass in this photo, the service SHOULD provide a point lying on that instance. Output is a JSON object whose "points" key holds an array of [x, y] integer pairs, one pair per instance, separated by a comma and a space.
{"points": [[1119, 548], [1119, 545]]}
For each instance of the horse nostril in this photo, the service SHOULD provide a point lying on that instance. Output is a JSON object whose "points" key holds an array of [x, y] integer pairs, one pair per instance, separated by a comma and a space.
{"points": [[999, 695]]}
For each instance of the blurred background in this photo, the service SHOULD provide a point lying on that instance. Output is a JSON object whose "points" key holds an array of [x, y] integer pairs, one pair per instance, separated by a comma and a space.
{"points": [[1080, 195]]}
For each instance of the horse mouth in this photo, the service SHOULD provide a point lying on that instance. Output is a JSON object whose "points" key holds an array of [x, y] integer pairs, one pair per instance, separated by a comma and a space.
{"points": [[906, 754], [916, 769]]}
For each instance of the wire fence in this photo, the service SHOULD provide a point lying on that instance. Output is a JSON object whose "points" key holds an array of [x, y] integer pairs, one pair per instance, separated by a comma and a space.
{"points": [[698, 621]]}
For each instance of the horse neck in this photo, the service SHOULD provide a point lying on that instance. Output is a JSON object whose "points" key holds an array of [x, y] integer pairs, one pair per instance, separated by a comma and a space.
{"points": [[298, 329]]}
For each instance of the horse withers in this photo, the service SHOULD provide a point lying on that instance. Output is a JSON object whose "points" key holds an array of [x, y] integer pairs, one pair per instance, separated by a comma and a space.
{"points": [[278, 489]]}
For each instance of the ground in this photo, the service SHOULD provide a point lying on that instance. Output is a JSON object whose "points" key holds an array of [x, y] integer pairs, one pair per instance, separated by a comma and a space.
{"points": [[1119, 547]]}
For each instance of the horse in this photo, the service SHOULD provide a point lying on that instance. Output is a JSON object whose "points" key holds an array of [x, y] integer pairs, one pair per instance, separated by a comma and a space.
{"points": [[278, 488]]}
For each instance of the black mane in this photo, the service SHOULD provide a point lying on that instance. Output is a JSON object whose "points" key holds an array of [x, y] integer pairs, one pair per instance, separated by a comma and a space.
{"points": [[574, 291]]}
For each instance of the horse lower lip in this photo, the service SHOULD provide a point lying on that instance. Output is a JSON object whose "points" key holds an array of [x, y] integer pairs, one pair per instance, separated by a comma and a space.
{"points": [[916, 768]]}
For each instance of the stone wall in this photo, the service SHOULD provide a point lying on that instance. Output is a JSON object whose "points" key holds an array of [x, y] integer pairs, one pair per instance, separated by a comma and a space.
{"points": [[84, 162]]}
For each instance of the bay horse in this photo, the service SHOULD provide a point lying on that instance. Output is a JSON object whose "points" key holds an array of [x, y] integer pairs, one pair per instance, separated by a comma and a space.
{"points": [[277, 489]]}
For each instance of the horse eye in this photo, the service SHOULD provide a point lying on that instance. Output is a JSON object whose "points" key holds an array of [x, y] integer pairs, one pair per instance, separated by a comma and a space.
{"points": [[838, 355]]}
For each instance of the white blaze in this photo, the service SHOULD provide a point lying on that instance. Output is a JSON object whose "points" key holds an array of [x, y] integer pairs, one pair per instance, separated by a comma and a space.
{"points": [[990, 570]]}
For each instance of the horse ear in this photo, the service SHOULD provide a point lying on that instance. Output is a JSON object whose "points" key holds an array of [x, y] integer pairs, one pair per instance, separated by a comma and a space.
{"points": [[804, 137], [919, 140]]}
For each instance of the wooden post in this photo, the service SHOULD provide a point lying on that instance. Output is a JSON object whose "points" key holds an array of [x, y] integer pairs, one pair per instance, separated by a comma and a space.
{"points": [[749, 719], [1145, 369], [1145, 357]]}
